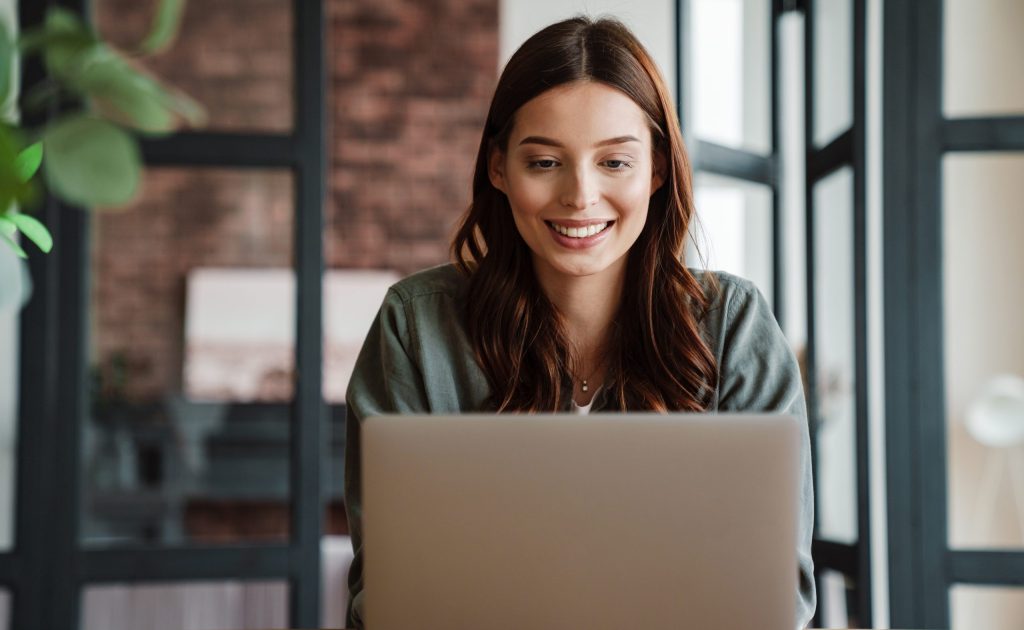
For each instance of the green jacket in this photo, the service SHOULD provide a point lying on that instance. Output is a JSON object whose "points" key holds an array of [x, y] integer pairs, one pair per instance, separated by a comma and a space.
{"points": [[418, 359]]}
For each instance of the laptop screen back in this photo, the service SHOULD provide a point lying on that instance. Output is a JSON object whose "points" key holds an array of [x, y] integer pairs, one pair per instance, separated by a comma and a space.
{"points": [[607, 521]]}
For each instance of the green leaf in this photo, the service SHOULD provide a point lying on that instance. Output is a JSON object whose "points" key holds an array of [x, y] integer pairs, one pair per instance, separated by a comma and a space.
{"points": [[186, 107], [63, 20], [33, 229], [124, 94], [28, 161], [165, 26], [12, 188], [91, 162], [66, 42], [7, 226], [127, 95], [13, 245]]}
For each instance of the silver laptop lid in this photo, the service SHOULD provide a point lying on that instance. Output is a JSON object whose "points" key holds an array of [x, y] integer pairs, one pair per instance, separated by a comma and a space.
{"points": [[606, 521]]}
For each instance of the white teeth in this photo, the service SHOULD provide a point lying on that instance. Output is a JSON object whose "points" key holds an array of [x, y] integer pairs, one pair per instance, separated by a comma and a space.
{"points": [[582, 232]]}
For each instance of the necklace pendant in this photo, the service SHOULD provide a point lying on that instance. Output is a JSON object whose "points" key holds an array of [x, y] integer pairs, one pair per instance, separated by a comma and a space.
{"points": [[584, 386]]}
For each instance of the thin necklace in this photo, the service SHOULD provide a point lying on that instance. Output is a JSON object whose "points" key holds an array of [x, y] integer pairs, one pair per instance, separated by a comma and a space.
{"points": [[584, 386]]}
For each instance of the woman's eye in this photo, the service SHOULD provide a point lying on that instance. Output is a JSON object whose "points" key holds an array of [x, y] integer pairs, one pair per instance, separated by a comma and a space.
{"points": [[618, 165], [543, 165]]}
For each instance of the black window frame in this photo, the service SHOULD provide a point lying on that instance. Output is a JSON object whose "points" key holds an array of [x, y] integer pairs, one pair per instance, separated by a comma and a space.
{"points": [[916, 136], [848, 149], [853, 561]]}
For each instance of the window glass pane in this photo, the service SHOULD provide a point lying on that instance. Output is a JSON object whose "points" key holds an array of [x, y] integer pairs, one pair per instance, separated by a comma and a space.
{"points": [[833, 69], [834, 588], [834, 336], [730, 41], [233, 56], [793, 256], [192, 326], [733, 230], [188, 606], [408, 99], [14, 286], [983, 46], [991, 608], [984, 347], [336, 555]]}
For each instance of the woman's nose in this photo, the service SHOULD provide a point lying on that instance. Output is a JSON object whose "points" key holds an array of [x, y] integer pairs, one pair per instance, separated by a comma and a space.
{"points": [[580, 190]]}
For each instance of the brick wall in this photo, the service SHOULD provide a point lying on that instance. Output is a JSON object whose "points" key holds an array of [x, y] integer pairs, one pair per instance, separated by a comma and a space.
{"points": [[409, 83]]}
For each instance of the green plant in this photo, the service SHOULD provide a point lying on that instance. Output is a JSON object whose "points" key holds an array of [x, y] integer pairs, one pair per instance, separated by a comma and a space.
{"points": [[88, 155]]}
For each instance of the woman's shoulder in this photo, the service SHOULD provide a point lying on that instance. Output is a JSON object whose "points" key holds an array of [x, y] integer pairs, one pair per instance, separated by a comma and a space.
{"points": [[737, 314], [444, 280], [725, 292]]}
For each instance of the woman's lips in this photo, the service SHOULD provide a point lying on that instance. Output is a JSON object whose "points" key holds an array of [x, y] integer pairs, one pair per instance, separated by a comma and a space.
{"points": [[596, 231]]}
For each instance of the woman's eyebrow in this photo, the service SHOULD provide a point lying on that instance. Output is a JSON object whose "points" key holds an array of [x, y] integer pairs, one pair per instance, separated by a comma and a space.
{"points": [[555, 143]]}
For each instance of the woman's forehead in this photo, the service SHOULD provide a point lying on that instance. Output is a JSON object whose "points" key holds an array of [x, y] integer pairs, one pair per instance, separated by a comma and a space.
{"points": [[581, 113]]}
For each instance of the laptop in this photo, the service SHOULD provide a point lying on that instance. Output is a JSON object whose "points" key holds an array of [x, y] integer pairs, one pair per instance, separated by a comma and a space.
{"points": [[544, 522]]}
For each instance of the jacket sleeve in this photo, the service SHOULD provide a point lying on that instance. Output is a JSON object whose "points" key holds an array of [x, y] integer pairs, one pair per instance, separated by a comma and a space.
{"points": [[759, 372], [386, 379]]}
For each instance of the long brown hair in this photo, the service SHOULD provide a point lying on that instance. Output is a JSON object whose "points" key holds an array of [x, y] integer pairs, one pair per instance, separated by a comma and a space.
{"points": [[657, 355]]}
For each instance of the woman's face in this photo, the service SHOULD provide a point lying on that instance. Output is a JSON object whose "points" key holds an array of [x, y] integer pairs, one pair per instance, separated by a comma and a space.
{"points": [[578, 172]]}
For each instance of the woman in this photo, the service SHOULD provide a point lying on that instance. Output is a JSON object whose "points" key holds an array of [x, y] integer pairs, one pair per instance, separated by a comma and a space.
{"points": [[568, 290]]}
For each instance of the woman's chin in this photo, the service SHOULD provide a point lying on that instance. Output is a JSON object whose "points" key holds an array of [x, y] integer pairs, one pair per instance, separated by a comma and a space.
{"points": [[570, 270]]}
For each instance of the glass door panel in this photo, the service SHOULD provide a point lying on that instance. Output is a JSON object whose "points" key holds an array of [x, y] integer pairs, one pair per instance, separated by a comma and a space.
{"points": [[834, 337], [988, 607], [733, 230], [730, 44], [192, 361], [984, 346], [983, 46], [405, 128], [833, 69]]}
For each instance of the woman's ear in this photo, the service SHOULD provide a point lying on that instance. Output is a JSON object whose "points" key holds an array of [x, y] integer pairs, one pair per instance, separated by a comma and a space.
{"points": [[658, 172], [496, 169]]}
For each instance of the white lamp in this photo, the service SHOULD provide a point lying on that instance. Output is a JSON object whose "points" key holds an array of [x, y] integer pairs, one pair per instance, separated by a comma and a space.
{"points": [[996, 419]]}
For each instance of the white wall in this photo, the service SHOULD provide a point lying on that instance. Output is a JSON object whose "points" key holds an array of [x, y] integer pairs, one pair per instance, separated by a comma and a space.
{"points": [[653, 21]]}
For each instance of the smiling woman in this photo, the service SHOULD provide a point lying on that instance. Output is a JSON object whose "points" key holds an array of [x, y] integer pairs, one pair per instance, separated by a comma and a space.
{"points": [[578, 198], [568, 290]]}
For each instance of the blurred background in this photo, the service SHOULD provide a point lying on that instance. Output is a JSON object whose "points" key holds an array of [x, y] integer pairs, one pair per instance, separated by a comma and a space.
{"points": [[172, 391]]}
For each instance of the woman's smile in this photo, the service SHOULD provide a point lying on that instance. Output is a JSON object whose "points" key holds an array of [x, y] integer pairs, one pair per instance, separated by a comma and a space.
{"points": [[579, 234]]}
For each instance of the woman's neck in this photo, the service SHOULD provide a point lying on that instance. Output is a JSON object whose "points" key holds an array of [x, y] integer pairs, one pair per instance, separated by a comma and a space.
{"points": [[588, 305]]}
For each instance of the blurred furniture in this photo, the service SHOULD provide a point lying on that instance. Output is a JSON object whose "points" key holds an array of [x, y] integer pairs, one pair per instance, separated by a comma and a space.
{"points": [[149, 480], [996, 420]]}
